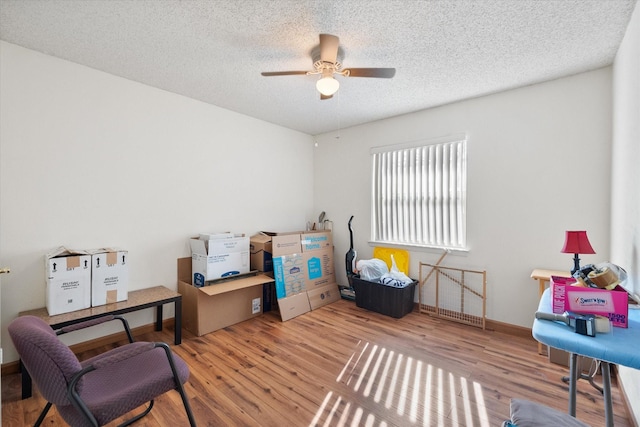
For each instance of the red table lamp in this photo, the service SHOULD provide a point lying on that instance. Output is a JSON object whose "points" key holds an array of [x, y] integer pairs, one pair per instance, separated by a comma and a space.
{"points": [[576, 242]]}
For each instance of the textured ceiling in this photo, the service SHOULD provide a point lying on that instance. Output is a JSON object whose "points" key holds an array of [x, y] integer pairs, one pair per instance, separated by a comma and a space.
{"points": [[214, 51]]}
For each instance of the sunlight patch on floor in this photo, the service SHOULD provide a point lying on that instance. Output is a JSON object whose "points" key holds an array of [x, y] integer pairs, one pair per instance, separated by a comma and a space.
{"points": [[415, 392]]}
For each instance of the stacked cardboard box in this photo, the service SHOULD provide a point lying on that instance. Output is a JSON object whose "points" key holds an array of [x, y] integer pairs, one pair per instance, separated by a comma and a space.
{"points": [[223, 303], [261, 249], [304, 272], [68, 280], [79, 279], [288, 272], [109, 276], [218, 255]]}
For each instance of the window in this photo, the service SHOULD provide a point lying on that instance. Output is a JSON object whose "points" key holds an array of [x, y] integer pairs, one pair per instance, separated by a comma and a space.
{"points": [[420, 192]]}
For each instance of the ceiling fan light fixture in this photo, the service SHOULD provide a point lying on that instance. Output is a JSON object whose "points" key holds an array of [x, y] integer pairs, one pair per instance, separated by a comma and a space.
{"points": [[326, 64], [327, 85]]}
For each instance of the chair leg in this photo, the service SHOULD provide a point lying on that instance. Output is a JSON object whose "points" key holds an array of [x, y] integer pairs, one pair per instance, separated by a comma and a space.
{"points": [[137, 417], [43, 414], [187, 407], [176, 380]]}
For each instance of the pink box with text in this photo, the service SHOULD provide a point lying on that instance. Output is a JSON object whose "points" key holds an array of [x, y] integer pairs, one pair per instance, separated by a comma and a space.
{"points": [[612, 304]]}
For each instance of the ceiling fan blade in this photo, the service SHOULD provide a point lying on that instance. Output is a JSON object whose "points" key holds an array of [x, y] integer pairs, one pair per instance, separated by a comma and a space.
{"points": [[329, 48], [282, 73], [323, 97], [385, 73]]}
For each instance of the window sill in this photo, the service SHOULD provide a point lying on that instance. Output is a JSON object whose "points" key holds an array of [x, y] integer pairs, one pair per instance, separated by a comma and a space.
{"points": [[421, 248]]}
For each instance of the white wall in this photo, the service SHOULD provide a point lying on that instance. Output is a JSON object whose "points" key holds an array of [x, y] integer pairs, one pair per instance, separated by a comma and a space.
{"points": [[89, 160], [538, 164], [625, 189]]}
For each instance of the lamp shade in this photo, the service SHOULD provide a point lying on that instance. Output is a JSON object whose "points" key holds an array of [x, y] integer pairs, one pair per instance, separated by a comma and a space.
{"points": [[327, 86], [576, 242]]}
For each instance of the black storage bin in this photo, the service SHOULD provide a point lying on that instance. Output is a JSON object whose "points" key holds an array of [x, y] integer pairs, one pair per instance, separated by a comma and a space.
{"points": [[388, 300]]}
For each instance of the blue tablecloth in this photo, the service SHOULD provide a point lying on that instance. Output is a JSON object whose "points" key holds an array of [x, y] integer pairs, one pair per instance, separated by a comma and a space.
{"points": [[620, 346]]}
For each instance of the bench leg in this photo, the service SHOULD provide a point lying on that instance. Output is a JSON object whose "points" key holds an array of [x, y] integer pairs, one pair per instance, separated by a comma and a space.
{"points": [[177, 304], [178, 321], [159, 317]]}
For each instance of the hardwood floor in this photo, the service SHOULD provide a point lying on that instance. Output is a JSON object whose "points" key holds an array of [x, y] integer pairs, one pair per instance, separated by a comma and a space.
{"points": [[344, 366]]}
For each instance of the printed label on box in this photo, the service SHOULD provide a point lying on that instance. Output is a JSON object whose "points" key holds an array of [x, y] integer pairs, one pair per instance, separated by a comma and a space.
{"points": [[289, 272], [319, 268], [255, 306], [316, 241], [314, 267], [588, 301]]}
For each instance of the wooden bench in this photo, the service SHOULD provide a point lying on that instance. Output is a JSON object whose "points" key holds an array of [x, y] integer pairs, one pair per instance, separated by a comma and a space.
{"points": [[136, 300]]}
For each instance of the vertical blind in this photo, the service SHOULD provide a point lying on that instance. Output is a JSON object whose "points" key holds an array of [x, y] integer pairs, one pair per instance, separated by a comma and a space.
{"points": [[419, 194]]}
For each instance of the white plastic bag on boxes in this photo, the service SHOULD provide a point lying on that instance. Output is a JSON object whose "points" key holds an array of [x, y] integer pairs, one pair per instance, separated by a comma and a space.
{"points": [[395, 277], [372, 269]]}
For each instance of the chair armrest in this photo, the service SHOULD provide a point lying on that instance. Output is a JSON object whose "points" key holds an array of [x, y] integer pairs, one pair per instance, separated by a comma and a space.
{"points": [[97, 321], [133, 350], [128, 353]]}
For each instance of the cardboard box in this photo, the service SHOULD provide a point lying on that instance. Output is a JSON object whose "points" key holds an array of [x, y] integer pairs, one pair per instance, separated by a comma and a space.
{"points": [[261, 248], [323, 295], [302, 261], [301, 257], [293, 306], [218, 235], [209, 308], [109, 276], [289, 272], [68, 280], [218, 258], [612, 304]]}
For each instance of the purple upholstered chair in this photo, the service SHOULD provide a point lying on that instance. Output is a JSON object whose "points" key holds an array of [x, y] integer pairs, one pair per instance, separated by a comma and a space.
{"points": [[98, 390]]}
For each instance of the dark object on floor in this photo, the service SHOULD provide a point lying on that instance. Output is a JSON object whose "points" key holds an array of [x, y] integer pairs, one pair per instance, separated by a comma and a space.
{"points": [[388, 300]]}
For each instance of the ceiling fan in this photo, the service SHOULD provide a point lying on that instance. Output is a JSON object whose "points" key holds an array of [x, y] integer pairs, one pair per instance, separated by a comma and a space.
{"points": [[327, 66]]}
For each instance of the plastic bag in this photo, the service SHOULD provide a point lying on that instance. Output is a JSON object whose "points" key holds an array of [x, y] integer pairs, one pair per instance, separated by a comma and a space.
{"points": [[395, 277], [372, 269]]}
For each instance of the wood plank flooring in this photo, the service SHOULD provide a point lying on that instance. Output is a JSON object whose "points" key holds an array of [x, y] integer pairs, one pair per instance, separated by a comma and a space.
{"points": [[345, 366]]}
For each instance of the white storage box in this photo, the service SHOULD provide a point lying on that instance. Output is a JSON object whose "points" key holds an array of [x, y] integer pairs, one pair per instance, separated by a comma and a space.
{"points": [[68, 280], [217, 258], [109, 276]]}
